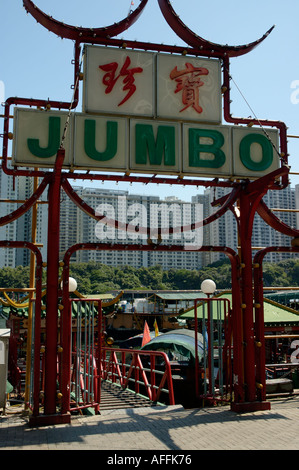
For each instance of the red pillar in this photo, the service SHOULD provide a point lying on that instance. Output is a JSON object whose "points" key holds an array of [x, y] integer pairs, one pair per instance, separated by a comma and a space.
{"points": [[247, 297], [237, 328], [260, 332], [52, 287], [248, 202]]}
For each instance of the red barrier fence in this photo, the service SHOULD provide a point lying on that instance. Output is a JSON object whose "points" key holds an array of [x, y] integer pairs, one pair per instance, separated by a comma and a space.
{"points": [[148, 372]]}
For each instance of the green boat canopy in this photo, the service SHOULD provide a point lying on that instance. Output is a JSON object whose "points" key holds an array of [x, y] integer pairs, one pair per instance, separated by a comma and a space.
{"points": [[178, 343]]}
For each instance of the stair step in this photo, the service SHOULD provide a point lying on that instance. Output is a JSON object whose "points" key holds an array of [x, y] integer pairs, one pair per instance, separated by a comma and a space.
{"points": [[113, 397]]}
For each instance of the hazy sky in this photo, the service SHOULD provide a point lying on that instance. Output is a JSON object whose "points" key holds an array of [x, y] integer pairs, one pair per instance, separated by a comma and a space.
{"points": [[36, 63]]}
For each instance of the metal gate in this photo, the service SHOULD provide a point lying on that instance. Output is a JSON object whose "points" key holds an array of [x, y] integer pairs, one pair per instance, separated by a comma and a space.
{"points": [[214, 370], [85, 370], [92, 361]]}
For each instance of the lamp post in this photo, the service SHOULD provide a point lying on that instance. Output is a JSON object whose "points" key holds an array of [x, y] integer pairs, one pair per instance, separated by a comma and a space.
{"points": [[72, 283], [208, 287]]}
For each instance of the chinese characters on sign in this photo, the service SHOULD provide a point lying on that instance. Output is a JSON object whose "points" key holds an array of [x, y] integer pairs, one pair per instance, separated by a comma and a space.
{"points": [[151, 85], [189, 82], [110, 78], [117, 81]]}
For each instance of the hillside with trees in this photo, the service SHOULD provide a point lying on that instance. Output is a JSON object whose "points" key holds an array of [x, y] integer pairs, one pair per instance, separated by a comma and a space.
{"points": [[96, 278]]}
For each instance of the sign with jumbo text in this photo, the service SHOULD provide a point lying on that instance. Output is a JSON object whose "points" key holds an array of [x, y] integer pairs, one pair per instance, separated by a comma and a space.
{"points": [[143, 145]]}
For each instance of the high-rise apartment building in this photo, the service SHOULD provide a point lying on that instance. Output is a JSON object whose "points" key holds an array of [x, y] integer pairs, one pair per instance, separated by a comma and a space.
{"points": [[145, 214], [25, 225], [8, 192], [223, 231], [297, 204], [13, 193]]}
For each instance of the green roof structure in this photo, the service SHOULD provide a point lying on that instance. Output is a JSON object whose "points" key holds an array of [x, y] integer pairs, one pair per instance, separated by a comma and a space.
{"points": [[181, 296], [274, 313]]}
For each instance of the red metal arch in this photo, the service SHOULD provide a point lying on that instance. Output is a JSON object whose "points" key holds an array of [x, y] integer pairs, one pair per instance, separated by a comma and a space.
{"points": [[259, 311], [259, 256], [196, 41], [283, 152], [7, 219], [78, 33], [235, 276], [274, 222], [227, 204], [81, 34]]}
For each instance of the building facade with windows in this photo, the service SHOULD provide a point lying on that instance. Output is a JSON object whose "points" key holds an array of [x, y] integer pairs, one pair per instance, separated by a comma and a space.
{"points": [[145, 215], [223, 231]]}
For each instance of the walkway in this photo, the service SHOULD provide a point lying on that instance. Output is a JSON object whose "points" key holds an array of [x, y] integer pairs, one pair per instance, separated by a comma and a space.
{"points": [[167, 429]]}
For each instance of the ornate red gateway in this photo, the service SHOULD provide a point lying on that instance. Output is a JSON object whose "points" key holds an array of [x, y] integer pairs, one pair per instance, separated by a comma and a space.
{"points": [[194, 78]]}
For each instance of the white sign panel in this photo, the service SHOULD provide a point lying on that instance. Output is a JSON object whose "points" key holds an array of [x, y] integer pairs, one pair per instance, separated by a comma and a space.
{"points": [[188, 88], [38, 136], [99, 141], [117, 81], [155, 146], [259, 154], [208, 148]]}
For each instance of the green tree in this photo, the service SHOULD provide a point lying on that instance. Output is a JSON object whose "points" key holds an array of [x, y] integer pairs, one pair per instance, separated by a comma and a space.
{"points": [[275, 276], [126, 278], [94, 277], [152, 277]]}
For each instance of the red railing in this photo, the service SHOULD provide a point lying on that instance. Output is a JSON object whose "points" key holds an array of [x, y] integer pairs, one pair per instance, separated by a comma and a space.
{"points": [[85, 382], [144, 372]]}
